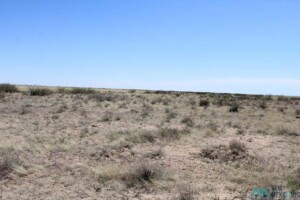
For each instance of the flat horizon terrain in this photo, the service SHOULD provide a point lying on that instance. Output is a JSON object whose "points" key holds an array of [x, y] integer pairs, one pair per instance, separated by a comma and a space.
{"points": [[79, 143]]}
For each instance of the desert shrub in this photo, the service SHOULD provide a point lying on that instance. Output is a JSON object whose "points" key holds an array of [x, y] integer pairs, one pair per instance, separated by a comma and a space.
{"points": [[213, 126], [2, 95], [170, 115], [8, 160], [146, 109], [185, 192], [61, 90], [237, 146], [142, 137], [262, 104], [234, 152], [294, 181], [204, 103], [8, 88], [100, 97], [286, 131], [156, 154], [81, 91], [191, 101], [188, 120], [39, 91], [240, 132], [282, 98], [140, 174], [107, 117], [234, 107], [172, 133], [281, 109]]}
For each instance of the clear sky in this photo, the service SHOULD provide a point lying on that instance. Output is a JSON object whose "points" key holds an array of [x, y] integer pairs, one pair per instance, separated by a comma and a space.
{"points": [[196, 45]]}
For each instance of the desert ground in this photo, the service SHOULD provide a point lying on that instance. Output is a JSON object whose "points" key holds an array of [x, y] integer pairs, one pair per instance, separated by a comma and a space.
{"points": [[77, 143]]}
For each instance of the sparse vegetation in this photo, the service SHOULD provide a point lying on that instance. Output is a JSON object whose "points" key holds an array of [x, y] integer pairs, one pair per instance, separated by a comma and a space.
{"points": [[81, 91], [39, 91], [8, 88], [114, 144]]}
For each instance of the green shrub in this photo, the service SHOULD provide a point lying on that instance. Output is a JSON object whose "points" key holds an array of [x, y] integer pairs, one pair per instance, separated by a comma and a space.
{"points": [[8, 88], [234, 107], [39, 91], [204, 103], [81, 91]]}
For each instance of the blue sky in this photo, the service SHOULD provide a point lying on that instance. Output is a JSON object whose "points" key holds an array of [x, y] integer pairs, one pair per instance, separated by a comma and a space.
{"points": [[217, 46]]}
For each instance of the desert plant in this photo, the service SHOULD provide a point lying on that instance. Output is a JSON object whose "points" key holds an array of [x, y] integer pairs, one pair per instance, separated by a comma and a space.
{"points": [[237, 146], [234, 107], [188, 120], [146, 109], [39, 91], [191, 101], [141, 173], [262, 104], [204, 103], [297, 111], [172, 133], [108, 116], [156, 153], [8, 88], [294, 181], [185, 192], [8, 160], [82, 91], [142, 137], [2, 95], [170, 116]]}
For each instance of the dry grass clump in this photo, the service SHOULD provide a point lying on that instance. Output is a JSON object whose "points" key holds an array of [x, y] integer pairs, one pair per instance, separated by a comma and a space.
{"points": [[107, 117], [146, 109], [286, 131], [297, 111], [188, 120], [234, 152], [156, 154], [263, 104], [139, 174], [172, 133], [2, 95], [294, 181], [170, 115], [185, 192], [142, 137], [39, 91], [101, 97], [9, 160], [8, 88]]}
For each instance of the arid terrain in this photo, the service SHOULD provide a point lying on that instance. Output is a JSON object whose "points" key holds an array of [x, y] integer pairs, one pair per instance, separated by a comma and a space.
{"points": [[76, 143]]}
